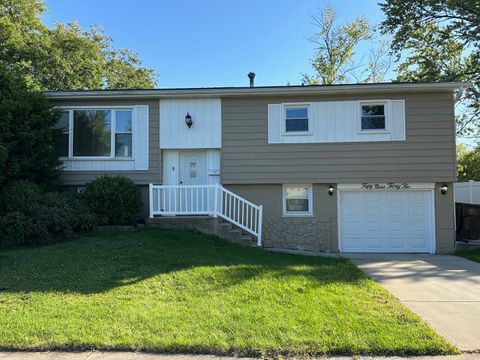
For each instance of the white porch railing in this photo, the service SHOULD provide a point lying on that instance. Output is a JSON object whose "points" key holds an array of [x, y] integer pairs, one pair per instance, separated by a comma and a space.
{"points": [[213, 200]]}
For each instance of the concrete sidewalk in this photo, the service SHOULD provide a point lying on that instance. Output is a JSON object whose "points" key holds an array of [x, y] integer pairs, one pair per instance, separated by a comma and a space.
{"points": [[100, 355], [443, 290]]}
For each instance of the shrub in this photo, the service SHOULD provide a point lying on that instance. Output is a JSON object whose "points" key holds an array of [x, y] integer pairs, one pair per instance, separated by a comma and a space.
{"points": [[115, 200], [51, 216], [20, 196], [16, 228], [63, 214]]}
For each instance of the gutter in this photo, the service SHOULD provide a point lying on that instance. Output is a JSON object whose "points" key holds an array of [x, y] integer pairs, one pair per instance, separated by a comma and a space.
{"points": [[255, 91]]}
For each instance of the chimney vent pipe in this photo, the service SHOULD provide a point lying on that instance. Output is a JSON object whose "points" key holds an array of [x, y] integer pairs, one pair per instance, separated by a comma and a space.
{"points": [[251, 76]]}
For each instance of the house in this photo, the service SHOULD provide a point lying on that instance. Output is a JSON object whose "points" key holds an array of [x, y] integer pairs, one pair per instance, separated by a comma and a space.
{"points": [[349, 168]]}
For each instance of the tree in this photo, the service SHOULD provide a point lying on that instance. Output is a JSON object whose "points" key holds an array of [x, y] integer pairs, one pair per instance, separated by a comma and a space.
{"points": [[334, 60], [468, 164], [439, 40], [27, 134], [65, 56]]}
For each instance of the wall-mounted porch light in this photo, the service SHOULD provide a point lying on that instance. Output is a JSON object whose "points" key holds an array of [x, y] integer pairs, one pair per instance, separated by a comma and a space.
{"points": [[330, 190], [444, 189], [188, 120]]}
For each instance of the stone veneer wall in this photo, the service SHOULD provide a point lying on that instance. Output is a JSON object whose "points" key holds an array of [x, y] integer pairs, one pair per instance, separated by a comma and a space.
{"points": [[309, 233]]}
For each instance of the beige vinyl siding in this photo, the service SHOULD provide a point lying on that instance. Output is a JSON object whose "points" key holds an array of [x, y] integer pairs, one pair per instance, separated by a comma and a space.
{"points": [[427, 155], [141, 177]]}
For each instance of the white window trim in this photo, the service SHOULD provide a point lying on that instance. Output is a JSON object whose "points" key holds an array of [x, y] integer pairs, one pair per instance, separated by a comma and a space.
{"points": [[297, 213], [284, 119], [388, 116], [112, 156]]}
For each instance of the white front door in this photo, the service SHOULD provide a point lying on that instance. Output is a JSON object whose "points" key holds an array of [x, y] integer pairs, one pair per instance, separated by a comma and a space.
{"points": [[192, 168], [387, 221]]}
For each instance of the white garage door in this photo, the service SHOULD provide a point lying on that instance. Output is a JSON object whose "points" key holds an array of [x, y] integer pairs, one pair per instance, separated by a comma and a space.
{"points": [[386, 221]]}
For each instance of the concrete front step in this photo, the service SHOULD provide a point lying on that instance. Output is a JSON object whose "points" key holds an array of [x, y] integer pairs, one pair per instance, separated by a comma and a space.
{"points": [[206, 224]]}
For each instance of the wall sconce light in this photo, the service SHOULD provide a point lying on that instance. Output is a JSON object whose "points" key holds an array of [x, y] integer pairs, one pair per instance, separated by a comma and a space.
{"points": [[444, 189], [188, 120], [330, 190]]}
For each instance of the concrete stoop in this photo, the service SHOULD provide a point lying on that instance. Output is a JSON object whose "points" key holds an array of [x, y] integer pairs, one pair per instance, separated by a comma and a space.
{"points": [[205, 224]]}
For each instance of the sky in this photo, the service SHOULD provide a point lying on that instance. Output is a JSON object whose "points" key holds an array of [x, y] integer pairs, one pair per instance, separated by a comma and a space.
{"points": [[203, 43]]}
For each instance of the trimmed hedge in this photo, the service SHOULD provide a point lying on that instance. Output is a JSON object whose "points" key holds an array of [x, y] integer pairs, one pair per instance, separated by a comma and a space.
{"points": [[115, 200]]}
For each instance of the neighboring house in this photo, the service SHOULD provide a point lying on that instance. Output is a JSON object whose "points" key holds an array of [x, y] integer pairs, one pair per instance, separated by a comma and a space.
{"points": [[350, 168]]}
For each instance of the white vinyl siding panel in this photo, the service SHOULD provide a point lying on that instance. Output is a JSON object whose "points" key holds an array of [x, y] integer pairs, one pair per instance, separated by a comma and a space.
{"points": [[140, 127], [206, 129], [338, 121]]}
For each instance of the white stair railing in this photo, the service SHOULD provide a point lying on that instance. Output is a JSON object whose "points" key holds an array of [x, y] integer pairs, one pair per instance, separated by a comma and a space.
{"points": [[213, 200]]}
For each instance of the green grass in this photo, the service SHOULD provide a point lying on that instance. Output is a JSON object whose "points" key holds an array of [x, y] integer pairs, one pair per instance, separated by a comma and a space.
{"points": [[473, 255], [174, 291]]}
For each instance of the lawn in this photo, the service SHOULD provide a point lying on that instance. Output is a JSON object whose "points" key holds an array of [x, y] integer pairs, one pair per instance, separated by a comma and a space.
{"points": [[176, 291], [470, 254]]}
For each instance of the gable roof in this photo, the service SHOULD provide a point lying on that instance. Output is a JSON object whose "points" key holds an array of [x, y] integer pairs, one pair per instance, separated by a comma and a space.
{"points": [[259, 90]]}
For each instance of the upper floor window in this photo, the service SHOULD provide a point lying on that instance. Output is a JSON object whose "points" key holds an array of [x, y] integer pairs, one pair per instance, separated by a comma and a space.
{"points": [[373, 117], [92, 133], [63, 123], [98, 133], [296, 118], [123, 133]]}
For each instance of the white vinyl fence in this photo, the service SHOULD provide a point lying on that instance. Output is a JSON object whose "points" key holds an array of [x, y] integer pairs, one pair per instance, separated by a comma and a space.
{"points": [[467, 192]]}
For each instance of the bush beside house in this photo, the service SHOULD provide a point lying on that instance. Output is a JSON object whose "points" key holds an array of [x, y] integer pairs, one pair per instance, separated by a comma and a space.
{"points": [[115, 200], [30, 216]]}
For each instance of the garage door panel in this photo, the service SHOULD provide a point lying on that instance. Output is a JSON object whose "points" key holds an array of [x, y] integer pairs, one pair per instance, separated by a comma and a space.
{"points": [[396, 243], [373, 226], [417, 226], [417, 210], [393, 196], [386, 221], [373, 211], [351, 210], [394, 210], [395, 226]]}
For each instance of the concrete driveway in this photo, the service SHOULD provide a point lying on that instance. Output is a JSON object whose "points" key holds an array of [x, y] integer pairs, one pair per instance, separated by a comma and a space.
{"points": [[443, 290]]}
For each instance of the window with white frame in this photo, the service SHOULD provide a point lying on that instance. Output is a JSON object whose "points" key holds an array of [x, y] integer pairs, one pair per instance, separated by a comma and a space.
{"points": [[97, 133], [63, 124], [123, 133], [297, 200], [297, 119], [373, 116]]}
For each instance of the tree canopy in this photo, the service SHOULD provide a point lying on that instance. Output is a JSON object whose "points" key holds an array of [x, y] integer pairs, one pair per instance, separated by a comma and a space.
{"points": [[335, 51], [65, 56], [438, 40]]}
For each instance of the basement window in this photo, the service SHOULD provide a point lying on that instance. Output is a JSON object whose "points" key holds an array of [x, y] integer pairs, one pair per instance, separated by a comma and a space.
{"points": [[297, 200]]}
